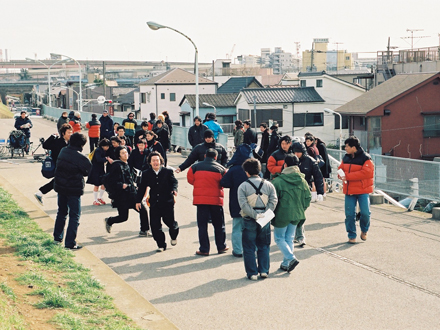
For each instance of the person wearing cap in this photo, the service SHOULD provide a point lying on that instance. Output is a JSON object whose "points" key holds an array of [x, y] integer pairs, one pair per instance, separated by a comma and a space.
{"points": [[24, 124], [293, 199], [94, 127], [198, 153], [196, 132], [106, 129]]}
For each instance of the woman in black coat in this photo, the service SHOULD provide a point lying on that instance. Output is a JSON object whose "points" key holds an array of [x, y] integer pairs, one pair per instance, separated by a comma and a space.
{"points": [[97, 171], [154, 145]]}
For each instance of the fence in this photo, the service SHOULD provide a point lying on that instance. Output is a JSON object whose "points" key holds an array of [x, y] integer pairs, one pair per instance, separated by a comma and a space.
{"points": [[402, 176]]}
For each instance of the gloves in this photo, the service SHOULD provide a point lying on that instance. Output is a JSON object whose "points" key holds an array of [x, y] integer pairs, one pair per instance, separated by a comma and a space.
{"points": [[320, 198]]}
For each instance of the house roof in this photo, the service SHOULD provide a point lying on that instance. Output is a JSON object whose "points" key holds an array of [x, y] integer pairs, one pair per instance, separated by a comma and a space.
{"points": [[217, 100], [236, 84], [127, 98], [281, 95], [383, 93], [176, 77], [329, 76]]}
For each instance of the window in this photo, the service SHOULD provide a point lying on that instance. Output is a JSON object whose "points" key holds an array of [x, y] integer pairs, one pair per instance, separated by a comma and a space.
{"points": [[143, 98], [162, 96], [431, 126], [308, 119], [303, 83], [319, 83], [344, 122], [172, 97]]}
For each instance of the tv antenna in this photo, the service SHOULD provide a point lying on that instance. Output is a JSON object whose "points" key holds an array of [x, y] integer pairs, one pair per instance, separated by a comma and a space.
{"points": [[412, 36]]}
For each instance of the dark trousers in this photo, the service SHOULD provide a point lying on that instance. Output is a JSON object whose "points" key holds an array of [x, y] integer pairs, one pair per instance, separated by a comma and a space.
{"points": [[256, 238], [67, 205], [93, 143], [47, 187], [215, 213], [166, 213], [123, 216]]}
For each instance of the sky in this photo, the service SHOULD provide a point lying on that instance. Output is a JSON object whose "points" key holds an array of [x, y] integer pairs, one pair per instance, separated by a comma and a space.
{"points": [[117, 30]]}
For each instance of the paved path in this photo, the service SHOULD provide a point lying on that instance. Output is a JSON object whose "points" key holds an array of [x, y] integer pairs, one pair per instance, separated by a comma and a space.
{"points": [[390, 281]]}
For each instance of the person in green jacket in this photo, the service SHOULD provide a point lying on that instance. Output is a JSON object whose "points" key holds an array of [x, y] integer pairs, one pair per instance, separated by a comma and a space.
{"points": [[293, 199]]}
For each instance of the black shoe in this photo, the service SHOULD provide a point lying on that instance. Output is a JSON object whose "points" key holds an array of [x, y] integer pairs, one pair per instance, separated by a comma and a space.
{"points": [[282, 267], [238, 255], [292, 265], [76, 247]]}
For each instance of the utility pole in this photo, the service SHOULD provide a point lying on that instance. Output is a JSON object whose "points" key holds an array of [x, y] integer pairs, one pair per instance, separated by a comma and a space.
{"points": [[255, 112], [412, 36]]}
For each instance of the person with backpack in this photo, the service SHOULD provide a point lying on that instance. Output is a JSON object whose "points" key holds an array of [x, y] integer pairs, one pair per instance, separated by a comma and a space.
{"points": [[24, 124], [94, 127], [122, 191], [54, 144], [99, 158], [256, 196], [293, 199]]}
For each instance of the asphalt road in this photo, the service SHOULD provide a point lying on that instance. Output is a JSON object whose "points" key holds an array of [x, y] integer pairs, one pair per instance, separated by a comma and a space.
{"points": [[391, 281]]}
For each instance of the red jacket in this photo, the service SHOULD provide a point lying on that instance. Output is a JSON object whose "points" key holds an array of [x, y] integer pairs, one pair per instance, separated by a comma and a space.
{"points": [[205, 177], [94, 128], [76, 125], [359, 173], [276, 161]]}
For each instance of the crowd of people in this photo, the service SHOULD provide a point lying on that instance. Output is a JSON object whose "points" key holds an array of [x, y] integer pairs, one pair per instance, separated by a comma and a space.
{"points": [[272, 181]]}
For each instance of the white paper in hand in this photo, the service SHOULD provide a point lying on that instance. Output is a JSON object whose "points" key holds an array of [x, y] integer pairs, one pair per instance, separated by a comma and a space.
{"points": [[268, 215], [341, 173]]}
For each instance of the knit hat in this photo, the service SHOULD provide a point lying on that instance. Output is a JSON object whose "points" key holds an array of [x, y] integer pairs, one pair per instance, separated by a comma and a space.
{"points": [[208, 134], [297, 147]]}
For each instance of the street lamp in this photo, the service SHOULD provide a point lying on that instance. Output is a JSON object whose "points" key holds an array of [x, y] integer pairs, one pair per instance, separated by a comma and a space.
{"points": [[156, 26], [80, 78], [210, 105], [340, 124]]}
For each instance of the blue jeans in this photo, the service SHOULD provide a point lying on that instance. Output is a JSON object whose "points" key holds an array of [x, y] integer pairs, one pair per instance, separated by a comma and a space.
{"points": [[350, 213], [256, 237], [284, 239], [67, 205], [215, 213], [299, 233], [236, 236]]}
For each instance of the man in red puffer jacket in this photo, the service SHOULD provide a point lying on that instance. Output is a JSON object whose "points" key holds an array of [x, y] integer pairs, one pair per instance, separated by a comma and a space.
{"points": [[357, 185], [208, 195]]}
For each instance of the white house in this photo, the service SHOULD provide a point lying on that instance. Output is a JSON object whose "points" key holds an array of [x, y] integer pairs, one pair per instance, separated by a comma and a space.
{"points": [[165, 91]]}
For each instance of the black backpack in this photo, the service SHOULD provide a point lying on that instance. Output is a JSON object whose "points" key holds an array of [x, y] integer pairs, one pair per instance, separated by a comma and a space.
{"points": [[48, 168]]}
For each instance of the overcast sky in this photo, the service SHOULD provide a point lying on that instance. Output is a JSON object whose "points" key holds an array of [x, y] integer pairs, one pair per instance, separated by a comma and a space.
{"points": [[117, 30]]}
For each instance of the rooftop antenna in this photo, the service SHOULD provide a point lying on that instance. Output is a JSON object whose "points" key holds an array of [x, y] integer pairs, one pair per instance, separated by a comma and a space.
{"points": [[412, 36]]}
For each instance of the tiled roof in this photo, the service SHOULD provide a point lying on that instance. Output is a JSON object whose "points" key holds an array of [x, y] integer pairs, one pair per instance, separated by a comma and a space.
{"points": [[383, 93], [282, 95], [236, 84], [217, 100], [175, 77]]}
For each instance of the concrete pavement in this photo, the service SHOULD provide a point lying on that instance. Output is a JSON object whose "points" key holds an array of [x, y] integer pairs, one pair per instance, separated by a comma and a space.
{"points": [[390, 281]]}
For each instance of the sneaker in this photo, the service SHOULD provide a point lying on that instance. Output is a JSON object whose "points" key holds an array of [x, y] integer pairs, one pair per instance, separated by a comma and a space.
{"points": [[292, 265], [282, 267], [145, 234], [253, 277], [301, 243], [174, 242], [107, 226], [264, 275], [56, 242], [363, 236], [161, 249], [76, 247], [223, 250], [238, 255], [101, 201], [95, 203], [39, 198]]}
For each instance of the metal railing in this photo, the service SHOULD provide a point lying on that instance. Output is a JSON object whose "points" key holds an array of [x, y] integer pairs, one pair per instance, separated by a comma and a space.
{"points": [[401, 176]]}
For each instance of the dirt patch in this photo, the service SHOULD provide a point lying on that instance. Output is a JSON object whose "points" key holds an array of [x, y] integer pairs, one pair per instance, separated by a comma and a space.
{"points": [[10, 268]]}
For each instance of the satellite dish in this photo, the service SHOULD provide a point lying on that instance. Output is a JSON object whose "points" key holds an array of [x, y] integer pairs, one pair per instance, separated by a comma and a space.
{"points": [[101, 99]]}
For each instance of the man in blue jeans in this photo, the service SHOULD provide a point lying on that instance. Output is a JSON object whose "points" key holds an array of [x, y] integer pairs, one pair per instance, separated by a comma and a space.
{"points": [[256, 196], [358, 183], [72, 167]]}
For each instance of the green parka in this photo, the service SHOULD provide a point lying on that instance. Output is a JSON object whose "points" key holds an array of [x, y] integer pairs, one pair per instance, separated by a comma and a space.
{"points": [[293, 197]]}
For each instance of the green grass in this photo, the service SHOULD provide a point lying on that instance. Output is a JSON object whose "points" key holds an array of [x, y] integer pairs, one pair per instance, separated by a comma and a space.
{"points": [[61, 283]]}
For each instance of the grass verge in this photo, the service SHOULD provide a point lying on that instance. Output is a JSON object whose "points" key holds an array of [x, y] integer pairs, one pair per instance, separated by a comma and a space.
{"points": [[55, 281]]}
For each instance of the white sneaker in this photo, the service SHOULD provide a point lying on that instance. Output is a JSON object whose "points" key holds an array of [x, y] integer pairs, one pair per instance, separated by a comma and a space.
{"points": [[253, 277], [264, 275], [174, 242]]}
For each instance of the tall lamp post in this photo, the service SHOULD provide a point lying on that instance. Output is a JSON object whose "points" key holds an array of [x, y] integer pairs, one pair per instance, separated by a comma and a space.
{"points": [[210, 105], [80, 79], [48, 75], [157, 26], [340, 124]]}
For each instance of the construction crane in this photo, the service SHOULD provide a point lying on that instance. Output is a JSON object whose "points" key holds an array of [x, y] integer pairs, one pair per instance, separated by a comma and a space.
{"points": [[229, 56]]}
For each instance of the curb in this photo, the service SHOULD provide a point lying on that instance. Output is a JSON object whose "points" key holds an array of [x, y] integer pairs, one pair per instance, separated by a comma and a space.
{"points": [[126, 299]]}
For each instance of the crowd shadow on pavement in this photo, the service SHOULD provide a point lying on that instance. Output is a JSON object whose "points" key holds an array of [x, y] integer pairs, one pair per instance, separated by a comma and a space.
{"points": [[320, 226]]}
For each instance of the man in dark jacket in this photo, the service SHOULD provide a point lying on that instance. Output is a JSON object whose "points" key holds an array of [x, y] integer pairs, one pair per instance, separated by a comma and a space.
{"points": [[198, 153], [62, 120], [163, 189], [72, 167], [249, 136], [140, 134], [152, 121], [208, 196], [54, 143], [106, 129], [196, 132], [233, 179], [24, 124], [122, 191], [273, 146]]}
